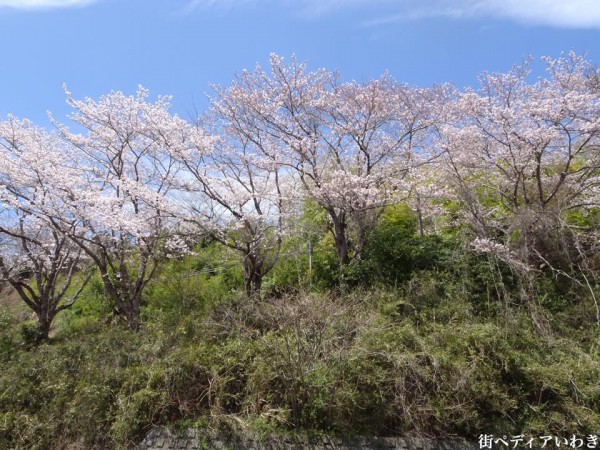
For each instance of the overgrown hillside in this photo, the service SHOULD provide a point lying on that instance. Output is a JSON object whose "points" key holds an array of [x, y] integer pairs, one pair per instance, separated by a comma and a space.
{"points": [[447, 349], [309, 256]]}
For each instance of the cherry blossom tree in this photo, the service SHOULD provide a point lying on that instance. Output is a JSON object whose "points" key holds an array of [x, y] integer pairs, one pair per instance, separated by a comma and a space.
{"points": [[40, 264], [236, 195], [524, 160], [348, 145], [121, 194], [37, 260]]}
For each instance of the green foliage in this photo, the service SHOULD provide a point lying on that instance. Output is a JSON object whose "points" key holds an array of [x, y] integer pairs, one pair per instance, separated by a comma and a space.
{"points": [[192, 285], [584, 218], [31, 333], [428, 339], [395, 251], [6, 338], [291, 272], [413, 360]]}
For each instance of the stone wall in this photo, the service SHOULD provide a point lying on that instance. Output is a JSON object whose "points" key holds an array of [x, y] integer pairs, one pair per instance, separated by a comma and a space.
{"points": [[164, 439]]}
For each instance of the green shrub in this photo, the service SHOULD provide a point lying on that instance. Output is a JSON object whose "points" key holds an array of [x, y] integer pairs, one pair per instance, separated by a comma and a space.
{"points": [[449, 351]]}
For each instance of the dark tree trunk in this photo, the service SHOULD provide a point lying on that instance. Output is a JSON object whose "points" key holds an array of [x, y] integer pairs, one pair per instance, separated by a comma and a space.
{"points": [[45, 318], [127, 304], [340, 237], [420, 217], [132, 312], [252, 276]]}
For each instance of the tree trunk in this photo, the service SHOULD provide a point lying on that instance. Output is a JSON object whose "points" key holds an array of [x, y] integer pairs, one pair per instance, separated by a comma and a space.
{"points": [[340, 237], [252, 276], [44, 324], [131, 310], [420, 216], [126, 304], [132, 313]]}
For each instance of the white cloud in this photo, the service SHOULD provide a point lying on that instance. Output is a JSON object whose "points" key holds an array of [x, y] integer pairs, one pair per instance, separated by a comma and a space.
{"points": [[217, 4], [43, 4], [556, 13], [560, 13], [306, 7], [323, 7]]}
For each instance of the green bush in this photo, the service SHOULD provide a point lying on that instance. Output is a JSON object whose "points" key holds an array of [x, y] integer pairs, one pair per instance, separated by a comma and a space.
{"points": [[448, 350]]}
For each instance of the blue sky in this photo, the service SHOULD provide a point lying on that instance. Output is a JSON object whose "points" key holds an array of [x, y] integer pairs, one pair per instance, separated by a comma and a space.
{"points": [[180, 47]]}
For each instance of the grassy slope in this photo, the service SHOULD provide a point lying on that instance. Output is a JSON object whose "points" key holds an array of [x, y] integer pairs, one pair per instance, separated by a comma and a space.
{"points": [[438, 355]]}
